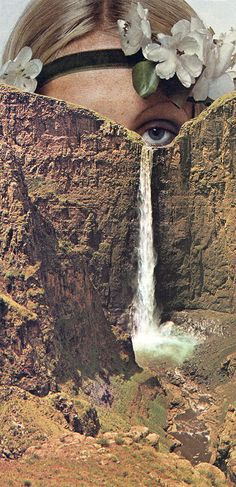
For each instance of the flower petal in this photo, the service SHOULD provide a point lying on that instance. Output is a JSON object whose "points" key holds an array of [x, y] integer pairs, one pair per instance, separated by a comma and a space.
{"points": [[232, 35], [183, 75], [224, 59], [211, 61], [167, 41], [151, 52], [23, 57], [4, 68], [201, 89], [128, 48], [33, 68], [122, 25], [181, 27], [191, 64], [142, 12], [197, 25], [166, 68], [202, 43], [156, 53], [146, 28], [220, 86], [229, 37], [10, 78], [29, 85], [188, 45], [130, 37]]}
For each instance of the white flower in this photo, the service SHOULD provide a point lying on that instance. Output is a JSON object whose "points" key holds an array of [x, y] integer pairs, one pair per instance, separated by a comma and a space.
{"points": [[136, 31], [181, 53], [22, 71], [191, 53], [217, 77], [229, 37]]}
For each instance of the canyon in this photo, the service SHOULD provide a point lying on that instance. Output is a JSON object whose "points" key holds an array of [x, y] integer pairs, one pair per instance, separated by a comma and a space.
{"points": [[68, 251]]}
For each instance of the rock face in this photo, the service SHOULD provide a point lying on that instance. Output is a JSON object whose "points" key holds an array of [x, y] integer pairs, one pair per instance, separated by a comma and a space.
{"points": [[194, 213], [69, 225], [68, 193]]}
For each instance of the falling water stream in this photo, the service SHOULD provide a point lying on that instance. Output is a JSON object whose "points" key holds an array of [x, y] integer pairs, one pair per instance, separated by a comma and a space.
{"points": [[150, 337]]}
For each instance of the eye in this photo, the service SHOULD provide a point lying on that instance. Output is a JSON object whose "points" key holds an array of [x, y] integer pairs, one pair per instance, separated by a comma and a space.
{"points": [[159, 133]]}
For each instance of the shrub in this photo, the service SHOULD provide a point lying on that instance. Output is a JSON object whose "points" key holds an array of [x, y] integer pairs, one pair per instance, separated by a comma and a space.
{"points": [[119, 440], [103, 442]]}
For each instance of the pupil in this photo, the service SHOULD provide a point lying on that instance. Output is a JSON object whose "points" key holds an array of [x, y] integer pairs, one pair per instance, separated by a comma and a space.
{"points": [[156, 133]]}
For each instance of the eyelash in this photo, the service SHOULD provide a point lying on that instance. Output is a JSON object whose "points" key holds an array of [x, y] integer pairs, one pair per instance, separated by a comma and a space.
{"points": [[162, 126]]}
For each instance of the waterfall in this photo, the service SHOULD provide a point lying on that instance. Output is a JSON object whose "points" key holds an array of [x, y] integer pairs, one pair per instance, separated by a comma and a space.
{"points": [[145, 315], [149, 336]]}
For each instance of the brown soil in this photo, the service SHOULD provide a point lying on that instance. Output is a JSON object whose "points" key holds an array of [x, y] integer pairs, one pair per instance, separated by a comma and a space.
{"points": [[76, 461]]}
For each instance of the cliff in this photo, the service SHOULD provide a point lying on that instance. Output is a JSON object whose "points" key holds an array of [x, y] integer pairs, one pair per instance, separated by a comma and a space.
{"points": [[69, 225], [194, 218], [68, 212]]}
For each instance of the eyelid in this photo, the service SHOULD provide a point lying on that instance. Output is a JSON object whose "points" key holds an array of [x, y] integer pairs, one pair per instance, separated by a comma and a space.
{"points": [[161, 123]]}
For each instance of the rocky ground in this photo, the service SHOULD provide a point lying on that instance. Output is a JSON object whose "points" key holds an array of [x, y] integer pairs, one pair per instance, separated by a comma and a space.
{"points": [[201, 411], [169, 425], [112, 460]]}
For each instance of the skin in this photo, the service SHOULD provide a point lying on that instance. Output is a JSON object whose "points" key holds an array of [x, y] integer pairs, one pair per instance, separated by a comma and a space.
{"points": [[110, 92]]}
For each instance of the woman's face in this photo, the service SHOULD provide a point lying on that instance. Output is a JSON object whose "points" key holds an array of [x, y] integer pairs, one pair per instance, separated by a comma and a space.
{"points": [[110, 93]]}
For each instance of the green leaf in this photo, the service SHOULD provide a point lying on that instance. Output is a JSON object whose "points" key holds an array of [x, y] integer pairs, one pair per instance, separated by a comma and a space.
{"points": [[145, 80]]}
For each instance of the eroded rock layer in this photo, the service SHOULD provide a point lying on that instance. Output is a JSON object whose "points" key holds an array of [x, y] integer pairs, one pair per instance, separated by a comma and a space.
{"points": [[68, 185], [194, 190]]}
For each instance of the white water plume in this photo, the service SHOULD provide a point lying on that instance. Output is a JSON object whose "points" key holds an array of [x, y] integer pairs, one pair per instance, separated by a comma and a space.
{"points": [[146, 317], [149, 336]]}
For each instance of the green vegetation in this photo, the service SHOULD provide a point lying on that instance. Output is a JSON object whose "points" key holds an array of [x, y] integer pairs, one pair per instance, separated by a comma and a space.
{"points": [[134, 405], [13, 273], [35, 292], [22, 311], [119, 440], [104, 442]]}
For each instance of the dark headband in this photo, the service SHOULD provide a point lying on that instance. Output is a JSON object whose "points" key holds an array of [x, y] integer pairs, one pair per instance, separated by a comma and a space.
{"points": [[104, 58], [107, 58]]}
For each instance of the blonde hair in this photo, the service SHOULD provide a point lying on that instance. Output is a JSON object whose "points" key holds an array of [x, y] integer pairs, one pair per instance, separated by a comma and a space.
{"points": [[48, 26]]}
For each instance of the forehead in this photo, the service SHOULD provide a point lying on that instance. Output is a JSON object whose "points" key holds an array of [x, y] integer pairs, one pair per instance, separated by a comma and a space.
{"points": [[111, 93]]}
